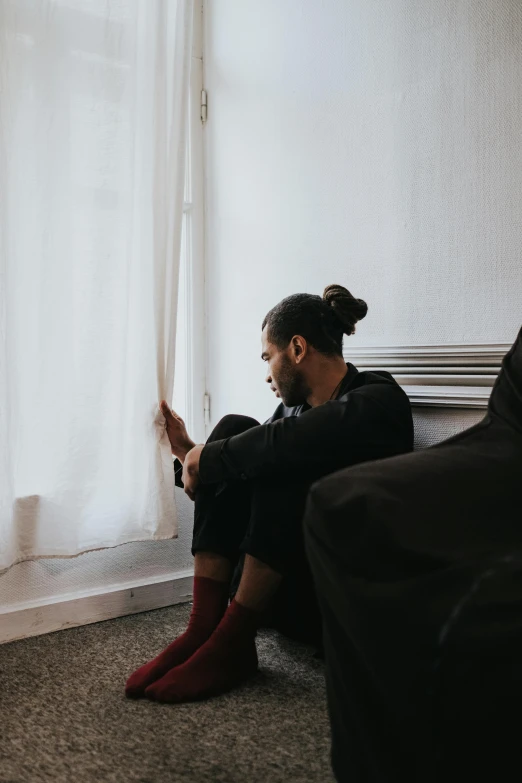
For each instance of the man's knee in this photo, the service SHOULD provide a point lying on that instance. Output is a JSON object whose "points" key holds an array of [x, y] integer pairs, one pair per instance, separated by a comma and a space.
{"points": [[232, 424]]}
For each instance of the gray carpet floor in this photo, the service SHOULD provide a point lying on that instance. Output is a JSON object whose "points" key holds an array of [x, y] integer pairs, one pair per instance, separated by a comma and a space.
{"points": [[64, 716]]}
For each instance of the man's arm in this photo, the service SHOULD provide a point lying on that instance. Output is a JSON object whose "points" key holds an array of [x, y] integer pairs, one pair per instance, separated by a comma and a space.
{"points": [[300, 445]]}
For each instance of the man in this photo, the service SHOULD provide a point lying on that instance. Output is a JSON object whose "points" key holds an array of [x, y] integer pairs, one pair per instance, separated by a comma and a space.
{"points": [[418, 566], [249, 484]]}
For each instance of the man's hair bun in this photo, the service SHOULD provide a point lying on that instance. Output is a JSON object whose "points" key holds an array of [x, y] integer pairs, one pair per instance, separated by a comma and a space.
{"points": [[347, 309]]}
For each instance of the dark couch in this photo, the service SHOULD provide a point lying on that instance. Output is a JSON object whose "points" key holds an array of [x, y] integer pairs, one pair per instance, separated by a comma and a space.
{"points": [[418, 565]]}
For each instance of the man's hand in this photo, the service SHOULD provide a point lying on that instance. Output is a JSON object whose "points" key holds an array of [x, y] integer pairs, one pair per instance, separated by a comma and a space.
{"points": [[179, 438], [191, 471]]}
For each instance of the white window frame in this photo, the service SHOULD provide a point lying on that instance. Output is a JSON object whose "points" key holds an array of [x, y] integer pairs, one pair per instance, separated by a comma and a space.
{"points": [[192, 282]]}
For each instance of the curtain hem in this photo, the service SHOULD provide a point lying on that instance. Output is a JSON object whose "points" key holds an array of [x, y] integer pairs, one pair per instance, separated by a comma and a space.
{"points": [[89, 549]]}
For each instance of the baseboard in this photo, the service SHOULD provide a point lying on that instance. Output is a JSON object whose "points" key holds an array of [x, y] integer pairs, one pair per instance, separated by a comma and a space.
{"points": [[19, 621]]}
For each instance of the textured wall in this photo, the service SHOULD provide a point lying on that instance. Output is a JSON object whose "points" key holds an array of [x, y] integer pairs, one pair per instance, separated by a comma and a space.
{"points": [[433, 425], [376, 144]]}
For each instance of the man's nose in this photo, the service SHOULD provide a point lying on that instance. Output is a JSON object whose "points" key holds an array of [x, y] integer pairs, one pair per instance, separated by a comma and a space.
{"points": [[268, 378]]}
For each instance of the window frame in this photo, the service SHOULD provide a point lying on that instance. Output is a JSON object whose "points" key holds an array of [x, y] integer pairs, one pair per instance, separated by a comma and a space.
{"points": [[192, 279]]}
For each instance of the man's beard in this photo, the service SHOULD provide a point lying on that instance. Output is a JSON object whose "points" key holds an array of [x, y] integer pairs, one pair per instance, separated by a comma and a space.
{"points": [[291, 385]]}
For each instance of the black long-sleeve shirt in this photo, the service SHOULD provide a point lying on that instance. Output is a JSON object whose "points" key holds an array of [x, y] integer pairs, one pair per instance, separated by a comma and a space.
{"points": [[370, 419]]}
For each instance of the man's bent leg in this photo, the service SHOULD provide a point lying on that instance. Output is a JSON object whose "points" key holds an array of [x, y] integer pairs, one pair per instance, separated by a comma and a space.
{"points": [[275, 538], [212, 566], [221, 517], [222, 511], [229, 656], [259, 583]]}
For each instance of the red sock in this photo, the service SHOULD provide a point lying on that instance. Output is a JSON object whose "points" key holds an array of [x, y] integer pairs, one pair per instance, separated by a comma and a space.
{"points": [[227, 659], [209, 604]]}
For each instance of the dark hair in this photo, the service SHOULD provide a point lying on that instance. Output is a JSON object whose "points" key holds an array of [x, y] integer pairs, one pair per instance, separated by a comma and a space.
{"points": [[321, 321]]}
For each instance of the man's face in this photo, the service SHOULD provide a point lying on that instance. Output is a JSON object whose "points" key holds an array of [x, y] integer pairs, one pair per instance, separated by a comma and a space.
{"points": [[284, 371]]}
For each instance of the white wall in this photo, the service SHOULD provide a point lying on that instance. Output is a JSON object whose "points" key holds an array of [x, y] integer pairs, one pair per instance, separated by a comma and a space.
{"points": [[373, 143]]}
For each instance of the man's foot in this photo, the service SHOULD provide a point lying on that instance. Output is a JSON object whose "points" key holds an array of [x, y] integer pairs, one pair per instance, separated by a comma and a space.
{"points": [[210, 602], [226, 660]]}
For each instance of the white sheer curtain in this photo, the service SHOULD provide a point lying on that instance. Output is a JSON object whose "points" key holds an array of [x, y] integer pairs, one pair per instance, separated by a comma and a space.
{"points": [[93, 109]]}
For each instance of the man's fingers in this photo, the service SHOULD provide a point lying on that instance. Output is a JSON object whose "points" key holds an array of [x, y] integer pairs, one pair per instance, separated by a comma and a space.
{"points": [[167, 412]]}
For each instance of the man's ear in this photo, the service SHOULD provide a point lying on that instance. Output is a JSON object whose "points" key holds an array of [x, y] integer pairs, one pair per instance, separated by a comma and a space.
{"points": [[299, 348]]}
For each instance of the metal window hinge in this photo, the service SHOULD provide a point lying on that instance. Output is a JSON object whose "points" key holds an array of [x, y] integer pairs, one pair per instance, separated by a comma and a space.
{"points": [[204, 107], [206, 409]]}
